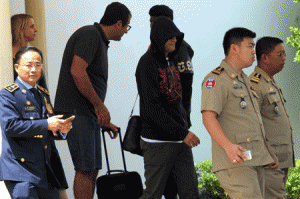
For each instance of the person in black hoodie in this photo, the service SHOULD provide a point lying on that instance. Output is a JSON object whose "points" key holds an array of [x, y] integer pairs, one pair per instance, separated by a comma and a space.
{"points": [[166, 141], [185, 67], [184, 55]]}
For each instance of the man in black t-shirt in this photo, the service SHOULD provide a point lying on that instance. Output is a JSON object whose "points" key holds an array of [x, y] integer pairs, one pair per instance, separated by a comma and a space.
{"points": [[82, 88]]}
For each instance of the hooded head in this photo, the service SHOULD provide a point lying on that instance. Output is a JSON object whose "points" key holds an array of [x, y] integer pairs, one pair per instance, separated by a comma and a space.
{"points": [[164, 29]]}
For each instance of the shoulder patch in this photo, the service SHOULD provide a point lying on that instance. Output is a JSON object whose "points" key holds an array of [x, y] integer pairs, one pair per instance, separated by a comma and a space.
{"points": [[256, 78], [210, 83], [218, 70], [12, 87], [43, 89]]}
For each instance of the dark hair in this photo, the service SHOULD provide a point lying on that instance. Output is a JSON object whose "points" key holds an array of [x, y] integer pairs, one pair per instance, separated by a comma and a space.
{"points": [[25, 49], [161, 10], [16, 60], [265, 45], [114, 12], [236, 36]]}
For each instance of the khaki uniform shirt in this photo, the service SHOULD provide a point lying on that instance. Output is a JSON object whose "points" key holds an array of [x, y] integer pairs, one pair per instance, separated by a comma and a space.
{"points": [[274, 116], [229, 95]]}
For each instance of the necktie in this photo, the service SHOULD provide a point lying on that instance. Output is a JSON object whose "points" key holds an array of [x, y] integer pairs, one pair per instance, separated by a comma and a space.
{"points": [[37, 97]]}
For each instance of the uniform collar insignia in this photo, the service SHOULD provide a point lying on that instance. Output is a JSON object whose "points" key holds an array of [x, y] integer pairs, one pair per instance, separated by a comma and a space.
{"points": [[218, 70], [256, 78], [43, 89]]}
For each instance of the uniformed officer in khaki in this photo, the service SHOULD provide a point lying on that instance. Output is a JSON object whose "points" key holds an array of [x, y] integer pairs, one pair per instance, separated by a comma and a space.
{"points": [[232, 117], [271, 55]]}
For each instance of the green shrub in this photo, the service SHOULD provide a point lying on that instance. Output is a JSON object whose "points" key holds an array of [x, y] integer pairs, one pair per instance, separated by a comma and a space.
{"points": [[294, 39], [208, 184], [293, 183]]}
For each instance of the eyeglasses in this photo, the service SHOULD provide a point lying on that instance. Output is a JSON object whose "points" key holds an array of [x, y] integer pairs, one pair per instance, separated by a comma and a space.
{"points": [[29, 66], [128, 27], [281, 54]]}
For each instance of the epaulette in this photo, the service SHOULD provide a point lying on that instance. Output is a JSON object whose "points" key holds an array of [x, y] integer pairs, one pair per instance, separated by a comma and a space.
{"points": [[12, 87], [255, 78], [43, 89], [218, 70]]}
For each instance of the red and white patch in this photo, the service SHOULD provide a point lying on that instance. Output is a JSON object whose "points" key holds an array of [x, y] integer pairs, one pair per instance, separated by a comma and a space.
{"points": [[210, 83]]}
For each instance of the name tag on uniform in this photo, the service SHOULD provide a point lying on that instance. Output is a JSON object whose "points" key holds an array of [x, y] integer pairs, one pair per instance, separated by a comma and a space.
{"points": [[30, 109]]}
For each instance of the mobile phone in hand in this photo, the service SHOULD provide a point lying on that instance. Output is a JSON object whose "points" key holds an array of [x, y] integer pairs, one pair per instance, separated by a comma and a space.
{"points": [[69, 119], [247, 154]]}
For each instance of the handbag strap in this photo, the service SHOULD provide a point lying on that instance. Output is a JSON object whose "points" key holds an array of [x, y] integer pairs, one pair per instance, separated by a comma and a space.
{"points": [[133, 106]]}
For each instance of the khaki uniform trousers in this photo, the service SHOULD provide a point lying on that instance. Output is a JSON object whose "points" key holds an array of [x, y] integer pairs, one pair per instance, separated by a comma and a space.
{"points": [[243, 182], [275, 183]]}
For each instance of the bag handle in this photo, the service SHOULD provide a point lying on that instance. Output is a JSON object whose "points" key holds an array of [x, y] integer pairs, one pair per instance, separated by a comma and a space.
{"points": [[104, 129], [133, 106]]}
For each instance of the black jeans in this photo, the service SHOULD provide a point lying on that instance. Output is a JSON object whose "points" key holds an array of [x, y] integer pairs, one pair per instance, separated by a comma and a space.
{"points": [[171, 190], [162, 160]]}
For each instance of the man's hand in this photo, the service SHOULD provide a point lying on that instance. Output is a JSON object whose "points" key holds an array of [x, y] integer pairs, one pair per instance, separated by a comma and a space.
{"points": [[66, 127], [114, 133], [103, 115], [234, 152], [274, 165], [191, 140], [55, 123]]}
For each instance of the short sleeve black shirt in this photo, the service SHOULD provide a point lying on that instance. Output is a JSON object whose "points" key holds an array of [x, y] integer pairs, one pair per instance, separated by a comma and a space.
{"points": [[91, 44]]}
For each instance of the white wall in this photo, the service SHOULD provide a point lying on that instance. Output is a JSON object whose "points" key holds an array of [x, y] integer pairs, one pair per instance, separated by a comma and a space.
{"points": [[6, 7]]}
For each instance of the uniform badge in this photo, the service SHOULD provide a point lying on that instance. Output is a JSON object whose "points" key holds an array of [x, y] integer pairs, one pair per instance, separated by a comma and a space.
{"points": [[28, 103], [48, 106], [243, 103], [276, 108], [210, 83], [236, 86], [30, 109]]}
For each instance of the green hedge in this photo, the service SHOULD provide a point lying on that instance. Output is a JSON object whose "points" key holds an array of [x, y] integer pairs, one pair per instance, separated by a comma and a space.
{"points": [[294, 38], [293, 183], [209, 186]]}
